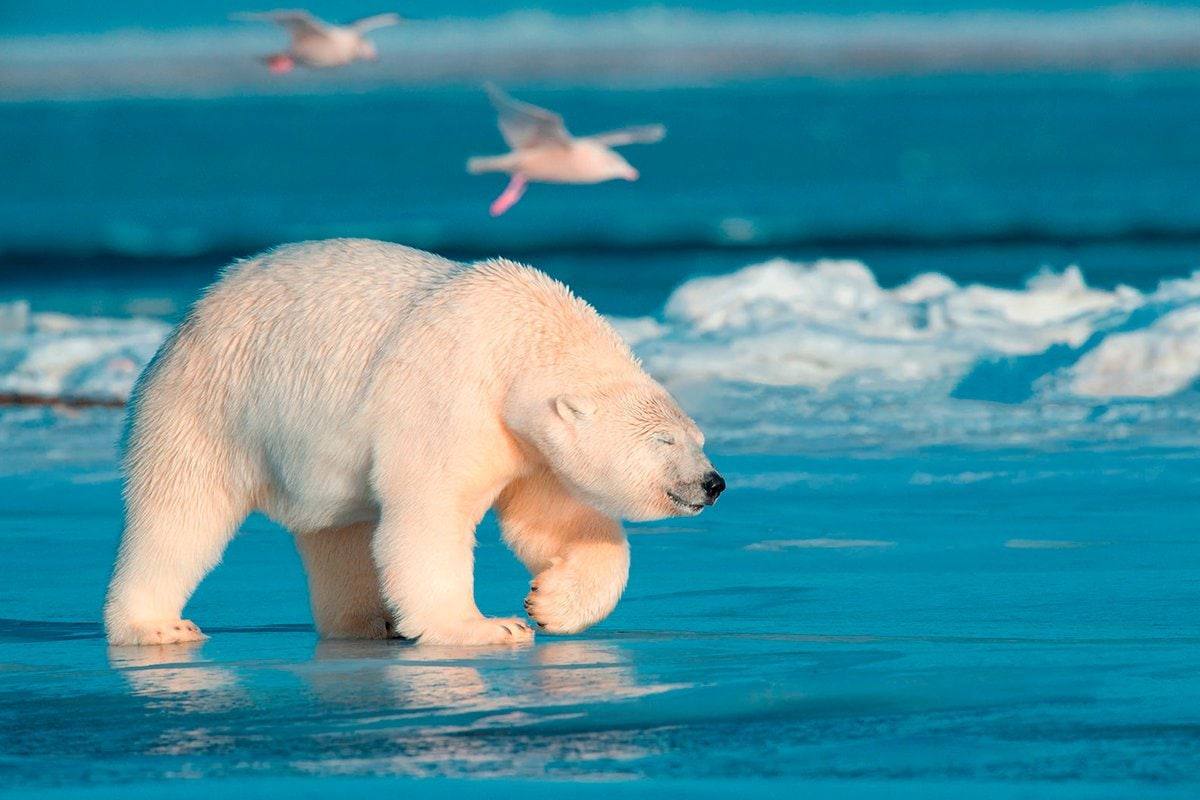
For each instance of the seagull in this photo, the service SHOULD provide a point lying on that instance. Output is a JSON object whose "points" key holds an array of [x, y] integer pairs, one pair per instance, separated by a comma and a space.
{"points": [[543, 150], [316, 43]]}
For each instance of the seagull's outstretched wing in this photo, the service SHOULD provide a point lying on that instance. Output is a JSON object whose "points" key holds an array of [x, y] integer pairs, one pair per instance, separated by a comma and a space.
{"points": [[638, 134], [523, 125], [297, 23], [376, 21]]}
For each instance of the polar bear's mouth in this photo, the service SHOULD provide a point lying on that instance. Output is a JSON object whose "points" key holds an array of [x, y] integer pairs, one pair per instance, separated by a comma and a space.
{"points": [[691, 508]]}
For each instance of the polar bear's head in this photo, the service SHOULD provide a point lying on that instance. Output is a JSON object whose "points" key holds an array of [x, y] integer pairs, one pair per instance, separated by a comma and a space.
{"points": [[629, 451]]}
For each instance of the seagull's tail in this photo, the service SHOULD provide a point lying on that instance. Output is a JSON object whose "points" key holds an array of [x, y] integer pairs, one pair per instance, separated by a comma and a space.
{"points": [[480, 164]]}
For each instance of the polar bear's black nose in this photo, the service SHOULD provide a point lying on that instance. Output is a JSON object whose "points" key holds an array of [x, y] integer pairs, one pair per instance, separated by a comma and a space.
{"points": [[713, 484]]}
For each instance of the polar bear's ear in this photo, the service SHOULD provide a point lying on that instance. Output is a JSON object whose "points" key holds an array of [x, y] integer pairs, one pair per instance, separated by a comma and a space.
{"points": [[572, 407]]}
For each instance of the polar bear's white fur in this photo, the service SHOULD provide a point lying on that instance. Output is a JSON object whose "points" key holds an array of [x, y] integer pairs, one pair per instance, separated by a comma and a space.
{"points": [[377, 400]]}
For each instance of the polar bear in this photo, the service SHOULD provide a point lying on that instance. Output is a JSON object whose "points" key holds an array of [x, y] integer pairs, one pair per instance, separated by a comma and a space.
{"points": [[377, 400]]}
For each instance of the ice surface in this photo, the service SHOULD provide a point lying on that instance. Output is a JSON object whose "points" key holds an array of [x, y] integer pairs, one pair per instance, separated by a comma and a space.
{"points": [[1154, 362], [55, 356], [838, 623], [790, 355], [827, 323]]}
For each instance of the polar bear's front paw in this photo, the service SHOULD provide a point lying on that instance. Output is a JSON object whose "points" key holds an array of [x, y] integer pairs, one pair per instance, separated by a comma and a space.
{"points": [[482, 631], [549, 603], [559, 602], [176, 631]]}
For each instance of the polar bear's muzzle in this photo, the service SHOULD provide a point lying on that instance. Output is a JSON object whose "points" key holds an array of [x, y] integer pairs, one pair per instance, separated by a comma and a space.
{"points": [[691, 498]]}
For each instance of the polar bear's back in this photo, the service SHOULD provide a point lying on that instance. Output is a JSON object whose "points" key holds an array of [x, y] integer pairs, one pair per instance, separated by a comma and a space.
{"points": [[310, 317], [360, 273], [282, 348]]}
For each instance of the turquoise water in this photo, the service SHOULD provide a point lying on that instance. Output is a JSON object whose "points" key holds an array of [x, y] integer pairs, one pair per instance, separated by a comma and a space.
{"points": [[939, 319], [786, 166]]}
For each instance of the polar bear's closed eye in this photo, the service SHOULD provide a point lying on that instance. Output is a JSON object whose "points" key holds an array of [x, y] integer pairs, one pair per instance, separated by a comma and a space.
{"points": [[627, 449]]}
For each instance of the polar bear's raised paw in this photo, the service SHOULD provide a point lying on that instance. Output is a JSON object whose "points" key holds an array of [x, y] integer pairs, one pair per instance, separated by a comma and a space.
{"points": [[553, 601], [576, 592]]}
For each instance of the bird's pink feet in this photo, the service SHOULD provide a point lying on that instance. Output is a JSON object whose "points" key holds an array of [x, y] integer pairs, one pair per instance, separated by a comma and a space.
{"points": [[509, 197], [280, 63]]}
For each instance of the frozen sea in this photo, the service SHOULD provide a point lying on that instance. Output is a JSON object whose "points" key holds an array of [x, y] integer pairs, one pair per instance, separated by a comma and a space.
{"points": [[990, 623], [929, 282]]}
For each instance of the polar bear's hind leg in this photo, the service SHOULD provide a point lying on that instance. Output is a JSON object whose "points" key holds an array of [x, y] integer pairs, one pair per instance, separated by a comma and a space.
{"points": [[343, 584], [180, 512]]}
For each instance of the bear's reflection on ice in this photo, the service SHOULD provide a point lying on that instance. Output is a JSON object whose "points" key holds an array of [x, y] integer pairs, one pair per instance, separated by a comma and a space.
{"points": [[470, 679], [389, 676], [388, 707], [173, 678]]}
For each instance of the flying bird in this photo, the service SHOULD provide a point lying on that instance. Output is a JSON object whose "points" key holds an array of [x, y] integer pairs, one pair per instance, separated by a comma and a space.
{"points": [[318, 44], [543, 150]]}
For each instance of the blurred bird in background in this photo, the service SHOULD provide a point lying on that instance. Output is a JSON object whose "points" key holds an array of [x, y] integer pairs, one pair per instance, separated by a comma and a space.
{"points": [[544, 151], [318, 44]]}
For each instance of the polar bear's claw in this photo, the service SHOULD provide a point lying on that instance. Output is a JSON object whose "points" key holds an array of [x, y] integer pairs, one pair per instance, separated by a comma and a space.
{"points": [[552, 602], [577, 591]]}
